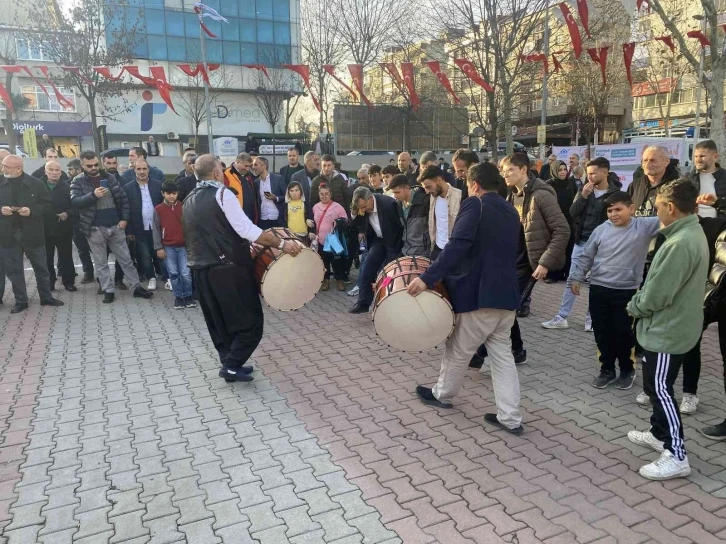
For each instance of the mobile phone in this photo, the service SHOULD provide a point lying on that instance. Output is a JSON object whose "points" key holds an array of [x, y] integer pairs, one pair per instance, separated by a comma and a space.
{"points": [[104, 183], [267, 193]]}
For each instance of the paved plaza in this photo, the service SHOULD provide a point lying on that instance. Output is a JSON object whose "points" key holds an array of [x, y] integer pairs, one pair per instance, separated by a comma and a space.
{"points": [[114, 428]]}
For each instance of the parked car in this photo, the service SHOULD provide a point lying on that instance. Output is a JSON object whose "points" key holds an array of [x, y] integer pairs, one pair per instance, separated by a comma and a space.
{"points": [[116, 152], [361, 153], [18, 150]]}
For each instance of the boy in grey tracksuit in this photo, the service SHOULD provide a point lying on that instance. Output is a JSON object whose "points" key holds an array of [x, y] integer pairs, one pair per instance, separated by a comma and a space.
{"points": [[615, 254]]}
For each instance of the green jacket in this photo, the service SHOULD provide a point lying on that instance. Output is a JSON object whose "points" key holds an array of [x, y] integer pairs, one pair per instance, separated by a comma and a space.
{"points": [[669, 306]]}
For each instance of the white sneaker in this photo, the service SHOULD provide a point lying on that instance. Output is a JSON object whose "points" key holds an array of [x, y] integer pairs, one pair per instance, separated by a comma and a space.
{"points": [[167, 285], [665, 468], [152, 284], [645, 438], [689, 404], [642, 399], [588, 323], [557, 322], [353, 292]]}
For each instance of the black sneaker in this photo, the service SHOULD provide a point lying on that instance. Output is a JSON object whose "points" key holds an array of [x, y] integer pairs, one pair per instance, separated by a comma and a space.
{"points": [[477, 361], [625, 380], [108, 298], [234, 375], [140, 292], [51, 302], [520, 356], [492, 418], [523, 312], [715, 432], [71, 288], [87, 278], [120, 285], [179, 303], [190, 303], [604, 379], [427, 397]]}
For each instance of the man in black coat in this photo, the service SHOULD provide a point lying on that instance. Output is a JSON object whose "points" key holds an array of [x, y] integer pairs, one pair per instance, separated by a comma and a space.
{"points": [[306, 176], [59, 227], [49, 154], [377, 219], [293, 165], [23, 205]]}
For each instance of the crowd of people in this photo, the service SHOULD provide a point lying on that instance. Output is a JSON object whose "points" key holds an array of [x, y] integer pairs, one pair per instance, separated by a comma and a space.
{"points": [[491, 231]]}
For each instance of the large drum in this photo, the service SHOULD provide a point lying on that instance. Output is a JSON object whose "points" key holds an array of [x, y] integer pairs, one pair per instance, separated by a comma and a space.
{"points": [[410, 323], [287, 282]]}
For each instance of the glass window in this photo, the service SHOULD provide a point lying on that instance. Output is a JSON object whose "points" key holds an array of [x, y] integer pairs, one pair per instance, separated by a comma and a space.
{"points": [[191, 25], [157, 47], [214, 50], [247, 8], [176, 49], [194, 53], [247, 30], [27, 50], [39, 101], [282, 33], [282, 54], [264, 9], [230, 8], [141, 49], [230, 31], [231, 52], [174, 23], [281, 10], [266, 54], [264, 32], [215, 27], [154, 2], [248, 53], [154, 21]]}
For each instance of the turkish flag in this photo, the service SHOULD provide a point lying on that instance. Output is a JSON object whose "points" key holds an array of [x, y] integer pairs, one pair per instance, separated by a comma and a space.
{"points": [[583, 10], [467, 67], [668, 41], [260, 67], [356, 74], [330, 69], [572, 28], [700, 36], [435, 67], [5, 97], [628, 51], [106, 72], [536, 57], [408, 79], [303, 70], [393, 71], [62, 100], [600, 57]]}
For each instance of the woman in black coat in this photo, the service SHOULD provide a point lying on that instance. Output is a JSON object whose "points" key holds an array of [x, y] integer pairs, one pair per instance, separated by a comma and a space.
{"points": [[566, 190]]}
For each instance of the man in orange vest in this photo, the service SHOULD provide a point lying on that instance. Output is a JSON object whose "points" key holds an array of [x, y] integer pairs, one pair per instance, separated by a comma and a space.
{"points": [[241, 180]]}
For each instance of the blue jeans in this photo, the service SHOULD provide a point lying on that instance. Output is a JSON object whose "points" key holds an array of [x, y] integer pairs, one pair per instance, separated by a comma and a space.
{"points": [[568, 297], [179, 273]]}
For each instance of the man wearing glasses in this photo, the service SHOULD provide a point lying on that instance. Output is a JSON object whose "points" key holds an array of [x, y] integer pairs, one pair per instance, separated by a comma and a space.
{"points": [[24, 201]]}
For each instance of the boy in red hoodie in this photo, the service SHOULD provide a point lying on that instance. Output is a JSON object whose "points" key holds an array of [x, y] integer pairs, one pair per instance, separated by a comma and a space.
{"points": [[169, 245]]}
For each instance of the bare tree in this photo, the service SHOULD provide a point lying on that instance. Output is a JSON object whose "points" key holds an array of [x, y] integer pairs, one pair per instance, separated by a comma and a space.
{"points": [[88, 33], [319, 47], [272, 94], [714, 83]]}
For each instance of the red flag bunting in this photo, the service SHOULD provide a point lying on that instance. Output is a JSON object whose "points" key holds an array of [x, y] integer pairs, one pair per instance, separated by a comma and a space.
{"points": [[62, 100], [199, 68], [260, 67], [76, 70], [583, 10], [408, 79], [668, 41], [572, 28], [106, 72], [35, 80], [162, 85], [330, 69], [205, 28], [537, 57], [435, 67], [600, 57], [557, 64], [146, 80], [11, 69], [628, 52], [639, 4], [356, 74], [469, 71], [393, 71], [303, 70], [5, 97], [700, 36]]}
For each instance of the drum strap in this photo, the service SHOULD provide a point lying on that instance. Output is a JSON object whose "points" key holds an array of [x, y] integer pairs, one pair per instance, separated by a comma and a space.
{"points": [[324, 212]]}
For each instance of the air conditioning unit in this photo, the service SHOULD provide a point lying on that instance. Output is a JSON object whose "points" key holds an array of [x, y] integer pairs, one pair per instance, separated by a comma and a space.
{"points": [[172, 136]]}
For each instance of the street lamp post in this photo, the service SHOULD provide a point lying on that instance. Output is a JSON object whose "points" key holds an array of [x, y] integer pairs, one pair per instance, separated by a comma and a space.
{"points": [[699, 88], [543, 118]]}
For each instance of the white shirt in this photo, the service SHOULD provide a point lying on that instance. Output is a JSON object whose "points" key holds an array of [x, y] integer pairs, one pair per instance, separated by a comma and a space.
{"points": [[374, 220], [268, 209], [599, 192], [708, 186], [147, 206], [441, 213], [236, 217]]}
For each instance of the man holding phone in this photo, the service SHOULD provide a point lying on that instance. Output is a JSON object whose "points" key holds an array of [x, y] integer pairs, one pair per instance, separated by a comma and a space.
{"points": [[105, 211], [271, 194], [24, 201]]}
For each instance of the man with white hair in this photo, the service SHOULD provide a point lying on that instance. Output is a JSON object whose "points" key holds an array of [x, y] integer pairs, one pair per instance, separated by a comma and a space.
{"points": [[188, 160], [657, 171], [59, 227]]}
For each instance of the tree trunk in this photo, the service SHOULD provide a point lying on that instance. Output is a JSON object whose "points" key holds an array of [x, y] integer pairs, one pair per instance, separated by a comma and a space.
{"points": [[274, 156], [91, 99], [715, 89]]}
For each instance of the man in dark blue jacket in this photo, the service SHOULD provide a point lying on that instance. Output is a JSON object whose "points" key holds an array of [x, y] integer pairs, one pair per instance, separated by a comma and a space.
{"points": [[479, 268], [144, 195]]}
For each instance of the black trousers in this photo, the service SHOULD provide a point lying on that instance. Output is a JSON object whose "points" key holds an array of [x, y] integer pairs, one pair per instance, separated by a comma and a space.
{"points": [[232, 310], [335, 262], [63, 243], [12, 258], [84, 251], [660, 371], [613, 327], [377, 257], [516, 334], [265, 224]]}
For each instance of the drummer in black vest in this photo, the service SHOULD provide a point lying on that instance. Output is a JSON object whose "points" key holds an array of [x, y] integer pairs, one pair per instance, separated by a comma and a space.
{"points": [[218, 236]]}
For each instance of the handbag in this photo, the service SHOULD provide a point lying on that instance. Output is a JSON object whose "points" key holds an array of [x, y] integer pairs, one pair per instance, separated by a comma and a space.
{"points": [[332, 244]]}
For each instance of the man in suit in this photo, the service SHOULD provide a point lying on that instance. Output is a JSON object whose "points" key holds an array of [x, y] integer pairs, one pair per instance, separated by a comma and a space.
{"points": [[271, 191], [306, 176], [188, 159], [144, 195], [377, 219]]}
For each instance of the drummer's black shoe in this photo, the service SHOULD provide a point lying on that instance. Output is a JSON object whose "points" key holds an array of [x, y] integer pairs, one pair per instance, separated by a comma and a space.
{"points": [[520, 357], [492, 418], [359, 308], [427, 397], [236, 375], [523, 312], [477, 361]]}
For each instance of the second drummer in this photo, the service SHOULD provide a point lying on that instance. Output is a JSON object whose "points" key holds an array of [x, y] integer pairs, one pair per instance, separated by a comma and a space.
{"points": [[218, 234], [478, 266]]}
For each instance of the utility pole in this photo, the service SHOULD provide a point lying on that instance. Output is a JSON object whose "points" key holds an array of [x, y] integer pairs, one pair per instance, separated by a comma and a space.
{"points": [[699, 88], [210, 138], [543, 119]]}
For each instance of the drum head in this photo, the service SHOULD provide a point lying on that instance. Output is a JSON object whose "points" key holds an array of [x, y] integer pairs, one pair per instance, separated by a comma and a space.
{"points": [[413, 323], [291, 282]]}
